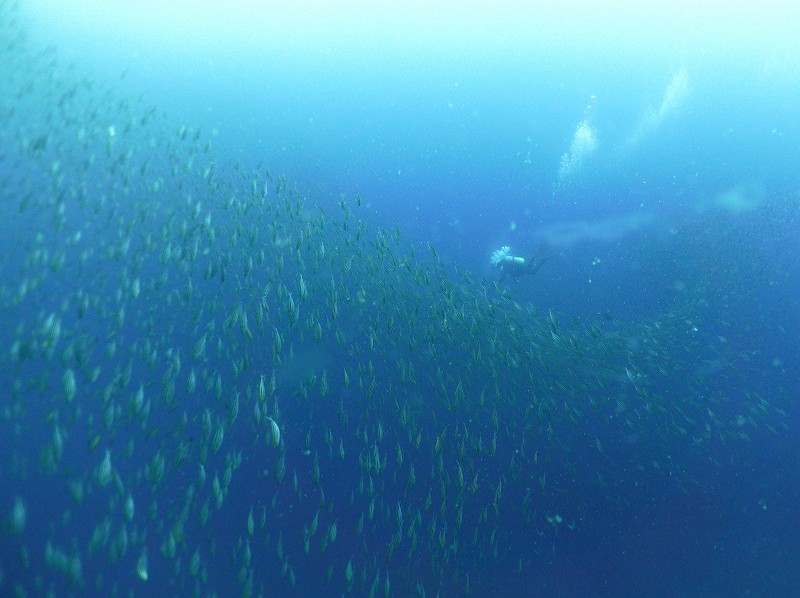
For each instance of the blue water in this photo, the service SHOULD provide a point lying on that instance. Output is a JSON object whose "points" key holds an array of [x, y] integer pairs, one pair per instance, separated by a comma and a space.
{"points": [[641, 387]]}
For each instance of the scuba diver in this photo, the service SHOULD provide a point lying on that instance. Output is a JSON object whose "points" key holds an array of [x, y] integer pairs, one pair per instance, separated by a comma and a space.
{"points": [[515, 267]]}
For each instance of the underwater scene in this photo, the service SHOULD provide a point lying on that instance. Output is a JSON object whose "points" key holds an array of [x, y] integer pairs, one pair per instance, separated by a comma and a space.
{"points": [[336, 299]]}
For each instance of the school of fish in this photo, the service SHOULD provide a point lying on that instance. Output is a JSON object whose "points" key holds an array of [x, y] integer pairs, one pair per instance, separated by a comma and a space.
{"points": [[211, 380]]}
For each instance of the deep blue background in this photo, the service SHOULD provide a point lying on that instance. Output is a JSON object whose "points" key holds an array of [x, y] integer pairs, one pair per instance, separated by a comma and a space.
{"points": [[457, 143]]}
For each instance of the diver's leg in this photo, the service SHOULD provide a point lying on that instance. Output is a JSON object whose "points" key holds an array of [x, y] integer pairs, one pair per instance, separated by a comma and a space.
{"points": [[538, 259]]}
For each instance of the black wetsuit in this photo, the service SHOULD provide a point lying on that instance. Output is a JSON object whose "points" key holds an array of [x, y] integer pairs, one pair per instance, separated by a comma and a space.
{"points": [[529, 267]]}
